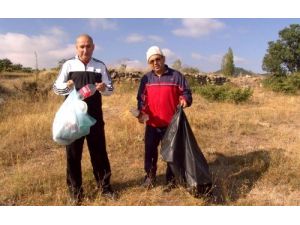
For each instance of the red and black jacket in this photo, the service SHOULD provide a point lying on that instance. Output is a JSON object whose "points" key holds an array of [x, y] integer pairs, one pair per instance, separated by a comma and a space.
{"points": [[159, 96]]}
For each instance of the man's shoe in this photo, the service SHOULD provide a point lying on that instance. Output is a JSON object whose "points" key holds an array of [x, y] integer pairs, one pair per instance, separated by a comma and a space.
{"points": [[108, 193], [169, 187], [149, 182], [76, 199]]}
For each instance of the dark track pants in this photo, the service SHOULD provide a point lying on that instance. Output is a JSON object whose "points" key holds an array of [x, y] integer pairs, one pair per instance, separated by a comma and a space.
{"points": [[99, 159], [153, 136]]}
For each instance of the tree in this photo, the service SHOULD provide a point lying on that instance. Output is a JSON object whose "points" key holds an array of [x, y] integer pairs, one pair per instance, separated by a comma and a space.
{"points": [[228, 64], [16, 67], [5, 64], [27, 70], [177, 65], [283, 56]]}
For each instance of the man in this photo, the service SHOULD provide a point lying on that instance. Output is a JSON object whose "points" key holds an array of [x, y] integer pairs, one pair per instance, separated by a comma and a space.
{"points": [[160, 92], [75, 73]]}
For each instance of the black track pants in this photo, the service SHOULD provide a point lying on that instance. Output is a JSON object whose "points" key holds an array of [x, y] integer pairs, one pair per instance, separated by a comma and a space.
{"points": [[153, 136], [98, 155]]}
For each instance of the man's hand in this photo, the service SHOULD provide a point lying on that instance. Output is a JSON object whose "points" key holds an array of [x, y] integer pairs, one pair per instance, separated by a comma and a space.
{"points": [[100, 86], [182, 103], [140, 118], [70, 84]]}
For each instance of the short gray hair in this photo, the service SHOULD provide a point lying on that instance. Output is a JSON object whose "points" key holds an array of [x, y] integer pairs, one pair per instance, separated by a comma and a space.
{"points": [[85, 35]]}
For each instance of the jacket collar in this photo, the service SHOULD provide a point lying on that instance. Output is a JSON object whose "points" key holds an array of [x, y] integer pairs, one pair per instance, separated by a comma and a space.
{"points": [[165, 73]]}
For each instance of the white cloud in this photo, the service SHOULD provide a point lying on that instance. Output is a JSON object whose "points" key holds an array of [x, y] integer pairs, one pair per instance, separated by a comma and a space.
{"points": [[134, 38], [134, 64], [50, 48], [170, 55], [215, 58], [213, 62], [197, 56], [57, 53], [208, 63], [239, 60], [103, 24], [130, 64], [155, 38], [56, 31], [198, 27]]}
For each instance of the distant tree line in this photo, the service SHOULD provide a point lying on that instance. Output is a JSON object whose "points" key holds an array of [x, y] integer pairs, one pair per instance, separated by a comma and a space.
{"points": [[7, 66]]}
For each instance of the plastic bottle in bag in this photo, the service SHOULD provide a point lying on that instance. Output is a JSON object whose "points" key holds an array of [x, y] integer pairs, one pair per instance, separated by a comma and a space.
{"points": [[87, 91]]}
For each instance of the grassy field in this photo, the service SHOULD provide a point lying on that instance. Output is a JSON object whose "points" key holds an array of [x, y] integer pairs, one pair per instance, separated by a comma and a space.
{"points": [[252, 148]]}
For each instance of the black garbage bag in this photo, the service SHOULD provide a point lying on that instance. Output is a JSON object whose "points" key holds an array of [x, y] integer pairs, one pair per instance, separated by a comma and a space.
{"points": [[180, 150]]}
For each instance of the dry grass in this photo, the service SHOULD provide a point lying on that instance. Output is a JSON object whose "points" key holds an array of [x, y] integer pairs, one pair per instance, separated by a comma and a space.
{"points": [[252, 150]]}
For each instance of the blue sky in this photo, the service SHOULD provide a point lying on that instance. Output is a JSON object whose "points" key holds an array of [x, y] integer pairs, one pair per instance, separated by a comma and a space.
{"points": [[198, 43]]}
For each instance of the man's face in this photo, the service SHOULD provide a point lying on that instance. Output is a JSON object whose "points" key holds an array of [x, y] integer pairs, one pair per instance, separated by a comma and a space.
{"points": [[84, 48], [157, 63]]}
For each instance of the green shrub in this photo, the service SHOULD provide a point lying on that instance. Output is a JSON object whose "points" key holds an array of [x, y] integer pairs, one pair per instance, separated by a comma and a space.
{"points": [[224, 93], [295, 80], [192, 81], [240, 95], [285, 84]]}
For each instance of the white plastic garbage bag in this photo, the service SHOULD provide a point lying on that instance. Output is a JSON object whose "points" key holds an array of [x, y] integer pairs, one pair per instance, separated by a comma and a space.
{"points": [[71, 121]]}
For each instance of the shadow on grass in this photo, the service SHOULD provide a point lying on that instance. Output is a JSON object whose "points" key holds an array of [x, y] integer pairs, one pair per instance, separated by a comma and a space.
{"points": [[118, 186], [123, 186], [235, 176]]}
